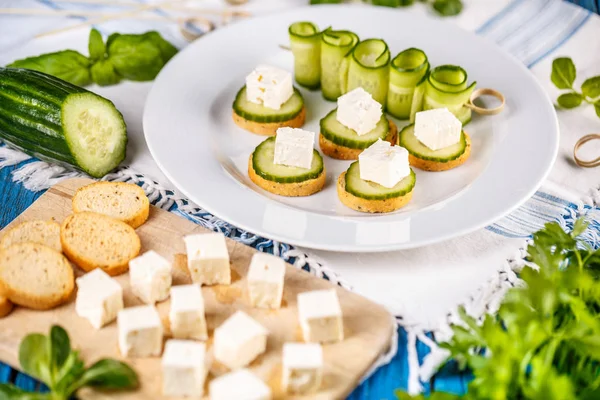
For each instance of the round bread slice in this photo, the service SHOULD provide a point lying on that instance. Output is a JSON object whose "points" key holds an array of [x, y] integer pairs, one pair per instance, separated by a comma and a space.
{"points": [[5, 306], [269, 128], [437, 166], [370, 206], [92, 240], [340, 152], [296, 189], [35, 276], [123, 201], [42, 232]]}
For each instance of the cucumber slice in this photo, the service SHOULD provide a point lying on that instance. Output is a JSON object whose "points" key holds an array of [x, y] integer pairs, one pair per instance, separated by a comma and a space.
{"points": [[373, 191], [262, 162], [409, 141], [369, 68], [259, 113], [407, 70], [447, 87], [335, 46], [341, 135], [305, 41], [417, 101]]}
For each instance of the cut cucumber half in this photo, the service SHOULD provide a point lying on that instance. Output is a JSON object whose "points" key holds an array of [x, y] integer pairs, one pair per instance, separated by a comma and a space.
{"points": [[262, 162], [373, 191], [409, 141], [95, 132], [259, 113], [336, 132]]}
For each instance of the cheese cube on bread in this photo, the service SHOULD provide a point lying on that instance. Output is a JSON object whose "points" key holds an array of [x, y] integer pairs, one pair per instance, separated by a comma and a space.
{"points": [[99, 298], [358, 111], [294, 147], [150, 277], [140, 332], [269, 86], [183, 368], [208, 259], [384, 164], [437, 128], [265, 280]]}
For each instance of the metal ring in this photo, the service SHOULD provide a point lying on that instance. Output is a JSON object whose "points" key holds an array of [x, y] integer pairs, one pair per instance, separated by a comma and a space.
{"points": [[581, 142], [486, 111]]}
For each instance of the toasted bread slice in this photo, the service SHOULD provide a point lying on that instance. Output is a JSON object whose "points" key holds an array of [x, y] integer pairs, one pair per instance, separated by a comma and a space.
{"points": [[42, 232], [437, 166], [92, 240], [296, 189], [35, 276], [269, 128], [369, 206], [340, 152], [123, 201], [5, 306]]}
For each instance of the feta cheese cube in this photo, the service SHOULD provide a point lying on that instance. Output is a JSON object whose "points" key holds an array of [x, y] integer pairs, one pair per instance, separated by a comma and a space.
{"points": [[437, 128], [140, 332], [150, 277], [302, 367], [183, 368], [384, 164], [208, 259], [358, 111], [269, 86], [265, 280], [320, 316], [239, 385], [294, 147], [239, 340], [187, 313], [99, 298]]}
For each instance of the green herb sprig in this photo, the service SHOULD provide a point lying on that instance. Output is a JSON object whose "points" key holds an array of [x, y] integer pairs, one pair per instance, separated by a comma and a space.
{"points": [[132, 57], [563, 76], [544, 344], [51, 360], [445, 8]]}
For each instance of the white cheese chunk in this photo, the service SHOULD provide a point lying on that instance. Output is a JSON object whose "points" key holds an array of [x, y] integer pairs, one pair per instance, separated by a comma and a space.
{"points": [[265, 280], [99, 298], [437, 128], [239, 385], [140, 332], [302, 367], [150, 277], [320, 316], [358, 111], [239, 340], [294, 147], [183, 368], [187, 313], [208, 259], [384, 164], [269, 86]]}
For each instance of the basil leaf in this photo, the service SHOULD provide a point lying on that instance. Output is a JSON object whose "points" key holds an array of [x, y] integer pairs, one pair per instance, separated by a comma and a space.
{"points": [[167, 50], [34, 357], [68, 65], [11, 392], [69, 374], [110, 374], [597, 108], [563, 73], [448, 8], [96, 46], [60, 346], [591, 88], [135, 57], [569, 100], [104, 73], [387, 3]]}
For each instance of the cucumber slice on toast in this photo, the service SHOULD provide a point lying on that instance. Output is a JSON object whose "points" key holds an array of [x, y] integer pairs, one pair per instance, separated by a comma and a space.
{"points": [[262, 162], [259, 113], [341, 135], [373, 191], [409, 141]]}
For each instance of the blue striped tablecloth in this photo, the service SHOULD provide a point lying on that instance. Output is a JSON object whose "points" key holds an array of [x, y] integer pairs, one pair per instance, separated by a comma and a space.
{"points": [[14, 199]]}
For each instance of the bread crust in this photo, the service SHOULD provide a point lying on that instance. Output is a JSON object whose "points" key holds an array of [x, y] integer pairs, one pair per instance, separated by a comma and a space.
{"points": [[436, 166], [25, 295], [5, 306], [369, 206], [86, 263], [269, 128], [296, 189], [51, 235], [135, 220], [339, 152]]}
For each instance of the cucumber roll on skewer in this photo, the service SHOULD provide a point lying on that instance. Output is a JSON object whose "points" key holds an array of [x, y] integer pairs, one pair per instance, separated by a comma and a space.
{"points": [[447, 86], [407, 71], [335, 46], [305, 41], [369, 68]]}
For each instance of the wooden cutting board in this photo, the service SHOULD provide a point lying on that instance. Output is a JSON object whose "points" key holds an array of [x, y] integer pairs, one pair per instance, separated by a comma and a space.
{"points": [[368, 326]]}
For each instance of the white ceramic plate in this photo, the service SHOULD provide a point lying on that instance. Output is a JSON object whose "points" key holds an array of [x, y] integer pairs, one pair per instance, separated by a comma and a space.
{"points": [[189, 130]]}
